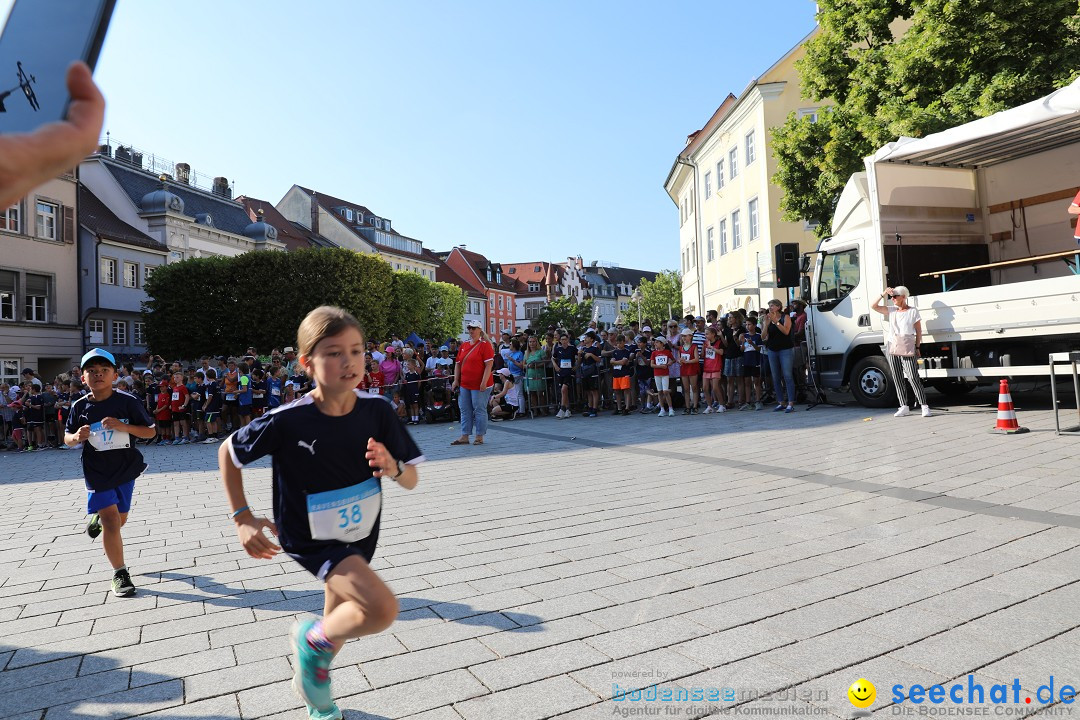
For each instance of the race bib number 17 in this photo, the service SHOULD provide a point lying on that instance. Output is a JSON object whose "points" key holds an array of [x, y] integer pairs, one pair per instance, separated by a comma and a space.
{"points": [[102, 439]]}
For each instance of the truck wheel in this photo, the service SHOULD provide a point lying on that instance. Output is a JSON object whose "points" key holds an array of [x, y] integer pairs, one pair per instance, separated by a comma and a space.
{"points": [[872, 383]]}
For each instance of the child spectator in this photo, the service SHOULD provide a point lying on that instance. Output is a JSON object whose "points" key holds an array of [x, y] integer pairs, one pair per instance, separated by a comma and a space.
{"points": [[259, 400], [621, 371], [49, 417], [563, 358], [195, 391], [504, 403], [211, 406], [103, 422], [689, 361], [733, 342], [411, 387], [751, 363], [589, 369], [712, 377], [642, 364], [230, 409], [274, 387], [660, 360], [163, 417], [35, 416], [179, 404]]}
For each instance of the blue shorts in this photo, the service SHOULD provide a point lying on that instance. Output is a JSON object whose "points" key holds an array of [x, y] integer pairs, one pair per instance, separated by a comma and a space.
{"points": [[118, 496], [733, 367]]}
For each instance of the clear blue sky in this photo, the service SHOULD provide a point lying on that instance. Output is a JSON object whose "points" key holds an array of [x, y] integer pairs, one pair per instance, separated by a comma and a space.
{"points": [[527, 130]]}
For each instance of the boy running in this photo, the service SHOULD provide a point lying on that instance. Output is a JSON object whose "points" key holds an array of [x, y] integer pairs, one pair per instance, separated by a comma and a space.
{"points": [[102, 421], [327, 494]]}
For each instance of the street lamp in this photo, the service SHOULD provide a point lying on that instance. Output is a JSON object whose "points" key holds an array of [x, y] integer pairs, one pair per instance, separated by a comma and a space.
{"points": [[637, 297]]}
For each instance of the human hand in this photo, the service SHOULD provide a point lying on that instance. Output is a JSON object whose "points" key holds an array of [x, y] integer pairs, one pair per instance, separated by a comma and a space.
{"points": [[380, 458], [29, 159], [83, 433], [257, 545], [111, 423]]}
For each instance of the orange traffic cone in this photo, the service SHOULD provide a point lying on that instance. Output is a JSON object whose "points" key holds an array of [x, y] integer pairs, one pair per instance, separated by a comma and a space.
{"points": [[1006, 416]]}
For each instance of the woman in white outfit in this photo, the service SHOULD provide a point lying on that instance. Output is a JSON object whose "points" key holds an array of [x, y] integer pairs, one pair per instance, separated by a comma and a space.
{"points": [[902, 347]]}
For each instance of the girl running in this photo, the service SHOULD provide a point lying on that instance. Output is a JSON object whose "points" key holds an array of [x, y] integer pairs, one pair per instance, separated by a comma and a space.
{"points": [[327, 494]]}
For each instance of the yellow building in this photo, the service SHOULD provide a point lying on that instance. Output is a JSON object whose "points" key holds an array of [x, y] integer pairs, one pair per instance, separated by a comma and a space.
{"points": [[729, 210]]}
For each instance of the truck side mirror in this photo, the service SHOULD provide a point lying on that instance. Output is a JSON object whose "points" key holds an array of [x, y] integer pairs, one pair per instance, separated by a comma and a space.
{"points": [[805, 266], [805, 287]]}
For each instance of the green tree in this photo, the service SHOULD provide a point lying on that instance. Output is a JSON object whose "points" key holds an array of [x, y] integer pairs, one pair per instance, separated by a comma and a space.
{"points": [[446, 312], [957, 61], [411, 298], [222, 305], [566, 312], [660, 298]]}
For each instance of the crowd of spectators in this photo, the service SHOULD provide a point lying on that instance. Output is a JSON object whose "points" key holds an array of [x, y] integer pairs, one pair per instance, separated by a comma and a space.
{"points": [[701, 365]]}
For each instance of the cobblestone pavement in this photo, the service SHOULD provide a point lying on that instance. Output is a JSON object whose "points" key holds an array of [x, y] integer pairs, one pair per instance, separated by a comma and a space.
{"points": [[567, 560]]}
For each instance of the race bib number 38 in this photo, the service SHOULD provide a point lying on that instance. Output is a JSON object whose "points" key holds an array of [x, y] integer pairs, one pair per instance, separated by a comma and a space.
{"points": [[346, 515], [102, 439]]}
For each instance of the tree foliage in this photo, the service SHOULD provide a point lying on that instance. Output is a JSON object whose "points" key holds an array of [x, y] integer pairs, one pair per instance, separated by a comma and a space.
{"points": [[446, 312], [660, 298], [567, 313], [219, 305], [956, 61]]}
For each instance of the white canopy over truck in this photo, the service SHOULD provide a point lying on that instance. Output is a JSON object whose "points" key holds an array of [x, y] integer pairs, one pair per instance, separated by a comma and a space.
{"points": [[974, 221]]}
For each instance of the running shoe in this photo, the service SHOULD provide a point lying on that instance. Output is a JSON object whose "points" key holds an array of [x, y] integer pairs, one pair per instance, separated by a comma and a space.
{"points": [[671, 412], [311, 681], [93, 528], [759, 406], [789, 409], [121, 583], [904, 411], [926, 411], [334, 713], [663, 413]]}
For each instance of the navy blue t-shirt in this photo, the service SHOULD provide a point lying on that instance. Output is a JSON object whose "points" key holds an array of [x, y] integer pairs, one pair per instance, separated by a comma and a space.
{"points": [[105, 470], [316, 453], [560, 353], [621, 370]]}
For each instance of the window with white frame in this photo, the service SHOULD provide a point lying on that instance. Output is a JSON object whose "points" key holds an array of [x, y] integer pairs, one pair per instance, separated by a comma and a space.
{"points": [[723, 237], [9, 371], [119, 332], [37, 298], [8, 281], [500, 302], [719, 174], [736, 236], [624, 306], [753, 225], [491, 324], [11, 219], [108, 271], [811, 113], [131, 275], [534, 287], [733, 163], [96, 330], [46, 220], [138, 333], [751, 151], [709, 244], [147, 271], [708, 185], [693, 254]]}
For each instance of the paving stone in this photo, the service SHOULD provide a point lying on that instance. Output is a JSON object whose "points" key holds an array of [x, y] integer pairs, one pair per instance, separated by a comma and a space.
{"points": [[420, 663], [448, 632], [536, 665], [558, 694], [237, 678], [416, 696], [122, 704], [279, 696], [636, 672]]}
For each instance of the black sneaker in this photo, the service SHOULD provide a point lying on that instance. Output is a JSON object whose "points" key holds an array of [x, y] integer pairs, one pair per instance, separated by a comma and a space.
{"points": [[93, 528], [121, 583]]}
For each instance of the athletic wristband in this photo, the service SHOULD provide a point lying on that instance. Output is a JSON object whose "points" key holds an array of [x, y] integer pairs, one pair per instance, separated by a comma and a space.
{"points": [[235, 513]]}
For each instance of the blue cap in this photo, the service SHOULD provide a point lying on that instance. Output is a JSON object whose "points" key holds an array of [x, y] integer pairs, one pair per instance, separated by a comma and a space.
{"points": [[97, 353]]}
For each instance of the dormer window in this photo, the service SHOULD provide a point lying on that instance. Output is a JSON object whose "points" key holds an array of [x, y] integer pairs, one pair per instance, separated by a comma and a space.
{"points": [[536, 268], [349, 214], [498, 276], [359, 218], [387, 224], [489, 273], [378, 223]]}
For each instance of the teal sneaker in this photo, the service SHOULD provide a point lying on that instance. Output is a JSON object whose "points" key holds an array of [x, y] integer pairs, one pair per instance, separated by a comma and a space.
{"points": [[334, 713], [93, 528], [311, 679]]}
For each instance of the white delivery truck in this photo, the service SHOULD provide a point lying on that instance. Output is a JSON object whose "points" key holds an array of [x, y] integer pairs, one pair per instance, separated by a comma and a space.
{"points": [[974, 221]]}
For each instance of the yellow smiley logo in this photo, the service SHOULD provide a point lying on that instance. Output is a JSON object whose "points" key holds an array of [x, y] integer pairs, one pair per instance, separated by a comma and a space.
{"points": [[862, 693]]}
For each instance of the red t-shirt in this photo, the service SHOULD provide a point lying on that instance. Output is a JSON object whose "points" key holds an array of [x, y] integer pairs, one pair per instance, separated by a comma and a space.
{"points": [[372, 381], [473, 363], [715, 363], [664, 359], [177, 397]]}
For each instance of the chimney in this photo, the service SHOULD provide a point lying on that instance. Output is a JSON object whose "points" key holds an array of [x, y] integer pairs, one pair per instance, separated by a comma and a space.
{"points": [[183, 173], [221, 187], [105, 150], [314, 214]]}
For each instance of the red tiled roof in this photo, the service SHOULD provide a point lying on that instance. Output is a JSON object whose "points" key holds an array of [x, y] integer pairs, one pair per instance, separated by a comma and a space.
{"points": [[480, 263]]}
